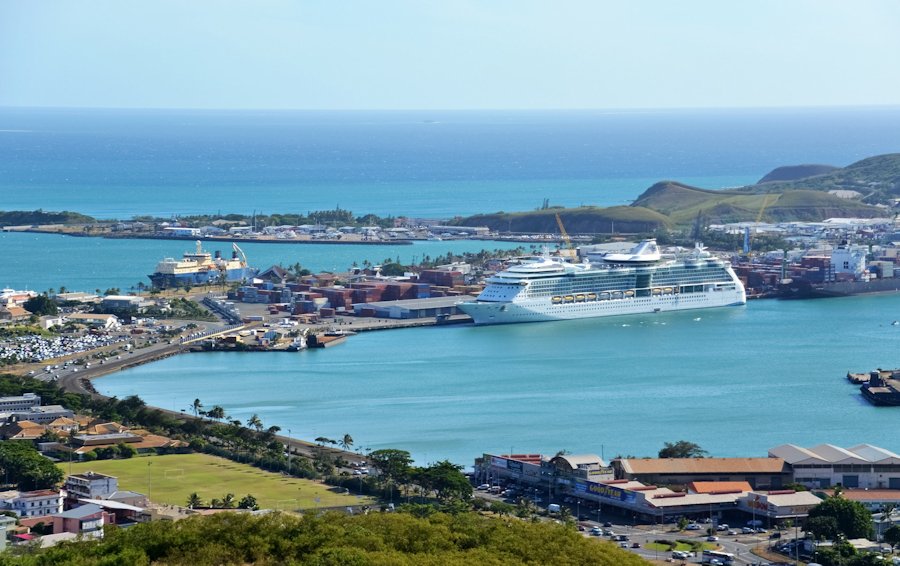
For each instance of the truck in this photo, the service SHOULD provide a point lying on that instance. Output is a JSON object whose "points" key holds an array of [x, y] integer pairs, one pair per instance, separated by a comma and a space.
{"points": [[553, 508]]}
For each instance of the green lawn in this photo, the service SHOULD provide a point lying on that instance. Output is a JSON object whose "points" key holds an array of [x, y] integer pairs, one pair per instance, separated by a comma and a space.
{"points": [[172, 478]]}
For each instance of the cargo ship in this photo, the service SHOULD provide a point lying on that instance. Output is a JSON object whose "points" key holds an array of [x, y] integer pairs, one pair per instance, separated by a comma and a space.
{"points": [[639, 281], [202, 268], [842, 274]]}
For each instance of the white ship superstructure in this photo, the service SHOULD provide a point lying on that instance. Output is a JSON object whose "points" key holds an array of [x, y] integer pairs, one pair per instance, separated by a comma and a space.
{"points": [[640, 281]]}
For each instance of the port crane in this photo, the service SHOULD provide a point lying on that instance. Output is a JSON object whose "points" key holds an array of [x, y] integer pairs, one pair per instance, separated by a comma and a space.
{"points": [[569, 252], [240, 251], [759, 216]]}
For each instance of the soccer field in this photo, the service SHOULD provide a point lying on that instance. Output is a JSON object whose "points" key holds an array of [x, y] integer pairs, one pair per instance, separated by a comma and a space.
{"points": [[172, 478]]}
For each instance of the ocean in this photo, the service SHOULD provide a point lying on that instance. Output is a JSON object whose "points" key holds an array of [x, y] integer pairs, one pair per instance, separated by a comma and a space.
{"points": [[429, 164], [737, 381]]}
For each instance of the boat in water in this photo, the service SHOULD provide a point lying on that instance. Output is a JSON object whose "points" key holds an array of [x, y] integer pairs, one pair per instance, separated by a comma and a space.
{"points": [[202, 268], [882, 390], [642, 280]]}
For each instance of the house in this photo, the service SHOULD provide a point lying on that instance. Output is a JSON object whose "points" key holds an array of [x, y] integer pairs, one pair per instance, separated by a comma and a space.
{"points": [[13, 313], [63, 425], [32, 503], [21, 430], [85, 520]]}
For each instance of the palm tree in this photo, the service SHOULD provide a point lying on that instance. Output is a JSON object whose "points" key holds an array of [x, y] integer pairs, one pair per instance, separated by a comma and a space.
{"points": [[216, 413], [194, 501], [346, 442], [255, 422], [196, 405], [228, 501]]}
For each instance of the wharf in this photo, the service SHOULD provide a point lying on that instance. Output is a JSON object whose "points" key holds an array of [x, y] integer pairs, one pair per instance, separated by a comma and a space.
{"points": [[861, 378]]}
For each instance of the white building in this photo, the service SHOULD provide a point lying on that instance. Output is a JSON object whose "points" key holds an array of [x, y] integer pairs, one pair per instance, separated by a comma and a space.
{"points": [[23, 402], [849, 259], [104, 321], [32, 503], [863, 466], [91, 485]]}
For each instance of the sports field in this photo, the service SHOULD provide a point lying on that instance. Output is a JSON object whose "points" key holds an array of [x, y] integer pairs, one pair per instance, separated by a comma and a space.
{"points": [[172, 478]]}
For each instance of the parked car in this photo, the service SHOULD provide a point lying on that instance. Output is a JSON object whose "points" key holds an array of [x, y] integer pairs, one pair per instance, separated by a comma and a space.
{"points": [[712, 538], [693, 527]]}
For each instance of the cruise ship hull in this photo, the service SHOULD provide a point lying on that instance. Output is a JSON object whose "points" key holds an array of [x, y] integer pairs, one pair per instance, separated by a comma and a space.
{"points": [[484, 312], [205, 277]]}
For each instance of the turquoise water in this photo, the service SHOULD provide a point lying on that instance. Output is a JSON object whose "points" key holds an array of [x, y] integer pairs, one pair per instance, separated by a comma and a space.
{"points": [[44, 261], [433, 164], [736, 380]]}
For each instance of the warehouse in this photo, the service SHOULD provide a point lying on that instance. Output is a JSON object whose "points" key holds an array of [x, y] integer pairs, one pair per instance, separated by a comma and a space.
{"points": [[412, 308]]}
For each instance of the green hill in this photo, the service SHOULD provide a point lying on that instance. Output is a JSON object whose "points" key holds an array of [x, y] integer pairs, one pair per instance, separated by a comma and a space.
{"points": [[876, 178], [796, 172], [583, 220], [682, 203]]}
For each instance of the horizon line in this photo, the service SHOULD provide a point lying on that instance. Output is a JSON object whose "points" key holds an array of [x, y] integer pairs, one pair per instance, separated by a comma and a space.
{"points": [[438, 109]]}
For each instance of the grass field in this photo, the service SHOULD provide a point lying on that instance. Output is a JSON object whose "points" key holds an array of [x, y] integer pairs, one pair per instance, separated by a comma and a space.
{"points": [[172, 478]]}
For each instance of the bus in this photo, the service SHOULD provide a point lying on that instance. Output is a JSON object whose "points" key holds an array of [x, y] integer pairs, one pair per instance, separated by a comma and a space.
{"points": [[717, 557]]}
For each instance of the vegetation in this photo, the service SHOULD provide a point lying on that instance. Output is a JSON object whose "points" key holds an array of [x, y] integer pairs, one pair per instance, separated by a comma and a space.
{"points": [[876, 178], [22, 217], [41, 305], [682, 449], [839, 516], [376, 538], [23, 465], [336, 217], [583, 220]]}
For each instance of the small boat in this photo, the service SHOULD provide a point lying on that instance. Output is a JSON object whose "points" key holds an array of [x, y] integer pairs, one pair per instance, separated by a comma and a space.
{"points": [[657, 291], [556, 300], [592, 296], [667, 290], [629, 293], [579, 298], [568, 298]]}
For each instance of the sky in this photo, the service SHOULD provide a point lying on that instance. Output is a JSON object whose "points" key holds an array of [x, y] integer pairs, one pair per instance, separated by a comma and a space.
{"points": [[451, 54]]}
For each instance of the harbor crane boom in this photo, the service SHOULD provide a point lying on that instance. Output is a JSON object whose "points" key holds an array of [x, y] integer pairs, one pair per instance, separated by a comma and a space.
{"points": [[240, 251], [570, 249]]}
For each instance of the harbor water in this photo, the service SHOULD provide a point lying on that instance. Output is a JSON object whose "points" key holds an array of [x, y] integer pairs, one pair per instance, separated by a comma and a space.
{"points": [[44, 261], [736, 380]]}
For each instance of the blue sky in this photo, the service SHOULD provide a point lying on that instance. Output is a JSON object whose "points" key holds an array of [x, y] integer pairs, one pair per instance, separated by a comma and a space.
{"points": [[395, 54]]}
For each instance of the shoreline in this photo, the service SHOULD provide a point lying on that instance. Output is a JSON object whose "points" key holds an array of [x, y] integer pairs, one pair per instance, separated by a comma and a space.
{"points": [[82, 382], [227, 240]]}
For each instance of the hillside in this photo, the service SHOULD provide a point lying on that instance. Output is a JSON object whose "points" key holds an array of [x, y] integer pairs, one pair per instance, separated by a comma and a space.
{"points": [[682, 203], [583, 220], [796, 172], [877, 178]]}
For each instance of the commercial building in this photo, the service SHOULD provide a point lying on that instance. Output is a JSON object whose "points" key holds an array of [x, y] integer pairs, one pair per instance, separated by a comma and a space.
{"points": [[862, 466], [20, 402], [412, 308], [40, 415], [778, 505], [760, 473]]}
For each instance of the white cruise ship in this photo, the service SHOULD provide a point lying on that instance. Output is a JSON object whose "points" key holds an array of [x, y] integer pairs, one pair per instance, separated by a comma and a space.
{"points": [[640, 281]]}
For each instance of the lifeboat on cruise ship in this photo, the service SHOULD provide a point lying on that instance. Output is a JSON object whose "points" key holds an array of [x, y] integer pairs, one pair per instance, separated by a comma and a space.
{"points": [[579, 298], [616, 294], [568, 298], [667, 291], [556, 300], [629, 293], [592, 296], [657, 291]]}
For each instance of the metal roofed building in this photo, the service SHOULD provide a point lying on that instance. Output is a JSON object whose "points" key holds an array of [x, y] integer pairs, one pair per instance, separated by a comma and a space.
{"points": [[414, 308], [778, 505], [760, 473], [861, 466]]}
